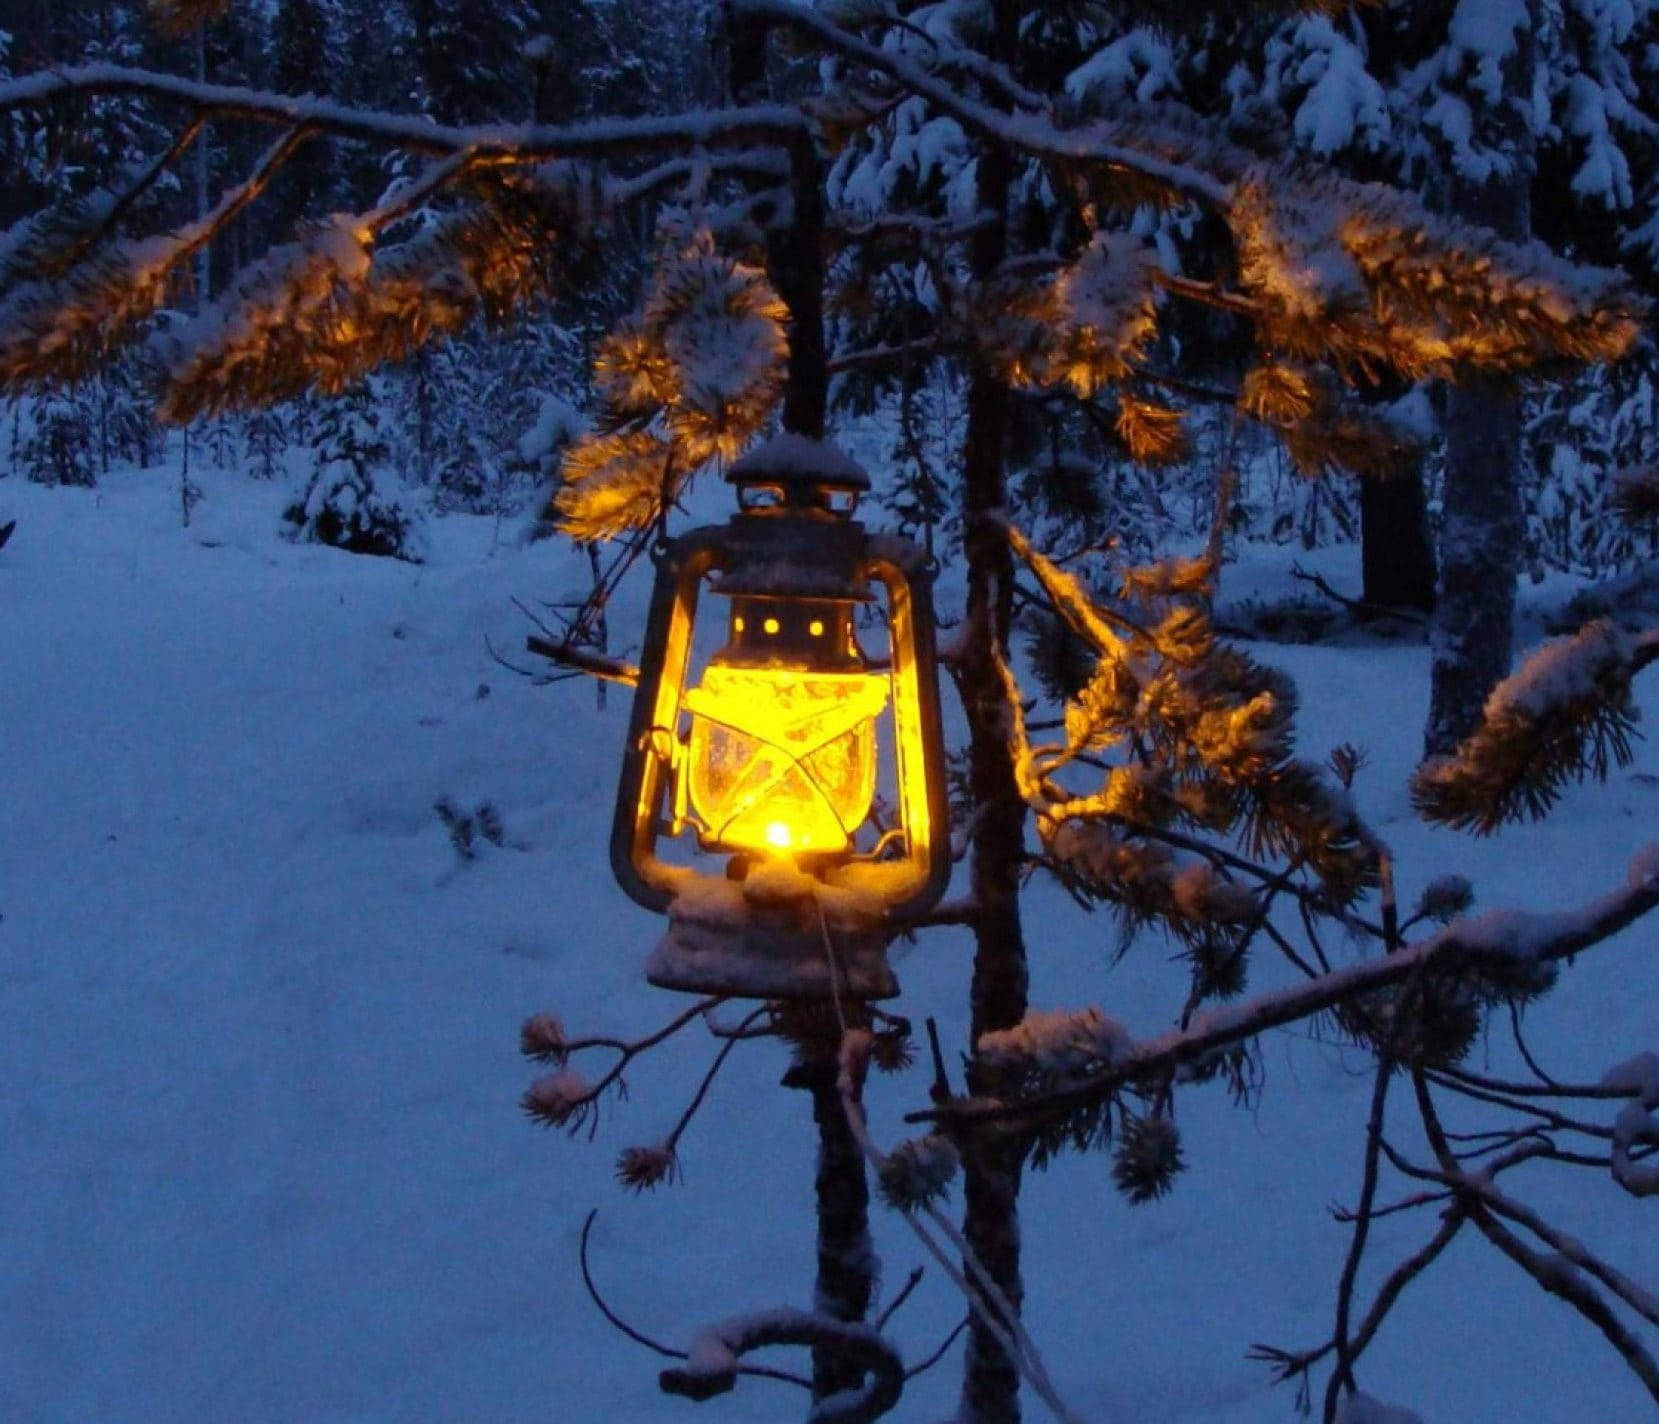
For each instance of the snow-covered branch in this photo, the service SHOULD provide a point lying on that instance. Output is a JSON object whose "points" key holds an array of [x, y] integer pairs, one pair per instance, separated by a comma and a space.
{"points": [[1033, 134], [1565, 715], [521, 143], [712, 1366], [1503, 935]]}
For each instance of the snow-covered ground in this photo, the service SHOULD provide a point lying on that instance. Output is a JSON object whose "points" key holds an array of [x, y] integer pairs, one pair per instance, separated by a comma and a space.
{"points": [[260, 1151]]}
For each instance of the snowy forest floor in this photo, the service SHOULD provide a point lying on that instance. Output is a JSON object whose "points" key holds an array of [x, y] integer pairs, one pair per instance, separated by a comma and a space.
{"points": [[260, 1143]]}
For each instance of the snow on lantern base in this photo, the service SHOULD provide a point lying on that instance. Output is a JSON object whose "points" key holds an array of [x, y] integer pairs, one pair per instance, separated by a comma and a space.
{"points": [[779, 933]]}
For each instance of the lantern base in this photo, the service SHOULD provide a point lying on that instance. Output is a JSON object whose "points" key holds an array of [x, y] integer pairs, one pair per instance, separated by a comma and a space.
{"points": [[763, 946]]}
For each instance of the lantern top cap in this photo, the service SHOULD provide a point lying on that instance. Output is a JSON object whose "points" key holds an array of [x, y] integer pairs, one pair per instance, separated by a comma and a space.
{"points": [[802, 470]]}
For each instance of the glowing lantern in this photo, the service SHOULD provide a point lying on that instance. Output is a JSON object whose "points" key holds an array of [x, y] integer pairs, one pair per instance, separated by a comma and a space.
{"points": [[813, 766]]}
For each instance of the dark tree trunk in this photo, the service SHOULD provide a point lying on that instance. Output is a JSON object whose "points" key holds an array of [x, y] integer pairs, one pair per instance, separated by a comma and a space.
{"points": [[795, 261], [1396, 552], [1481, 540], [991, 1170], [847, 1263], [846, 1259], [1482, 528]]}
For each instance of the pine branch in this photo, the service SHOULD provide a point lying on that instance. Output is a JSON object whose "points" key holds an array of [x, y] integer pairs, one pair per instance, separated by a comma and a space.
{"points": [[53, 330], [1565, 715], [1566, 1285], [1531, 939], [1023, 133], [526, 143]]}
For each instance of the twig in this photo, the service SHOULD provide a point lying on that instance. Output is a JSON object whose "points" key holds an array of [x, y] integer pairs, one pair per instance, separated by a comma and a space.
{"points": [[939, 1353], [639, 1337], [671, 1142], [606, 669], [911, 1282], [1565, 1285], [1358, 607]]}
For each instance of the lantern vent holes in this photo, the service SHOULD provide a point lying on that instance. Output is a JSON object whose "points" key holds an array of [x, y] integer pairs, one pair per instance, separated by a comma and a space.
{"points": [[766, 498]]}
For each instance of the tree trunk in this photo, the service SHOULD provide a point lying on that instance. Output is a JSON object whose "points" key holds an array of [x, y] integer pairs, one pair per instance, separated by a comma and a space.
{"points": [[1396, 552], [846, 1259], [795, 262], [1482, 528], [991, 1169], [847, 1263]]}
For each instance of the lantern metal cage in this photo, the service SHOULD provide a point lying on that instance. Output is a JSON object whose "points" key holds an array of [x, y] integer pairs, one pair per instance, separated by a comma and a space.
{"points": [[813, 767]]}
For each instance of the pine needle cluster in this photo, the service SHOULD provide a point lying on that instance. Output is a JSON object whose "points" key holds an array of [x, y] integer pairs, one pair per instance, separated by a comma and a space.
{"points": [[1636, 495], [1566, 715], [320, 313], [1086, 327], [1359, 276], [689, 379]]}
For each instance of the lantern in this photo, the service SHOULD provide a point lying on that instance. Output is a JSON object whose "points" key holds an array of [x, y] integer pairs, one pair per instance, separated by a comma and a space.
{"points": [[782, 796]]}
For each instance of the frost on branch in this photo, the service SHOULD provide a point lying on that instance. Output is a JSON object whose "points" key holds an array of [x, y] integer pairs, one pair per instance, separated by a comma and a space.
{"points": [[1088, 327], [56, 329], [1636, 1126], [711, 1365], [543, 1038], [320, 313], [1445, 898], [1564, 715], [918, 1173], [1060, 1044], [688, 379], [1362, 276], [560, 1099], [278, 329]]}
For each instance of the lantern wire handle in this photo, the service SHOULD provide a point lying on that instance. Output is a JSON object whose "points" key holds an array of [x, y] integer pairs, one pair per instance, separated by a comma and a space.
{"points": [[659, 545]]}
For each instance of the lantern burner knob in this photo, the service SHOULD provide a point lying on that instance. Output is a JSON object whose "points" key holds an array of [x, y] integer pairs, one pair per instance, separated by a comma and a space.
{"points": [[798, 474]]}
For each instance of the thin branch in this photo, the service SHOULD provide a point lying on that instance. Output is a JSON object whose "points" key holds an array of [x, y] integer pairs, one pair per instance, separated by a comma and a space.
{"points": [[927, 346], [1539, 939], [1566, 1285], [196, 235], [1343, 1374], [639, 1337], [526, 143], [1357, 606], [913, 1280], [584, 660], [1546, 1089], [1521, 1044], [929, 1361], [731, 1040]]}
